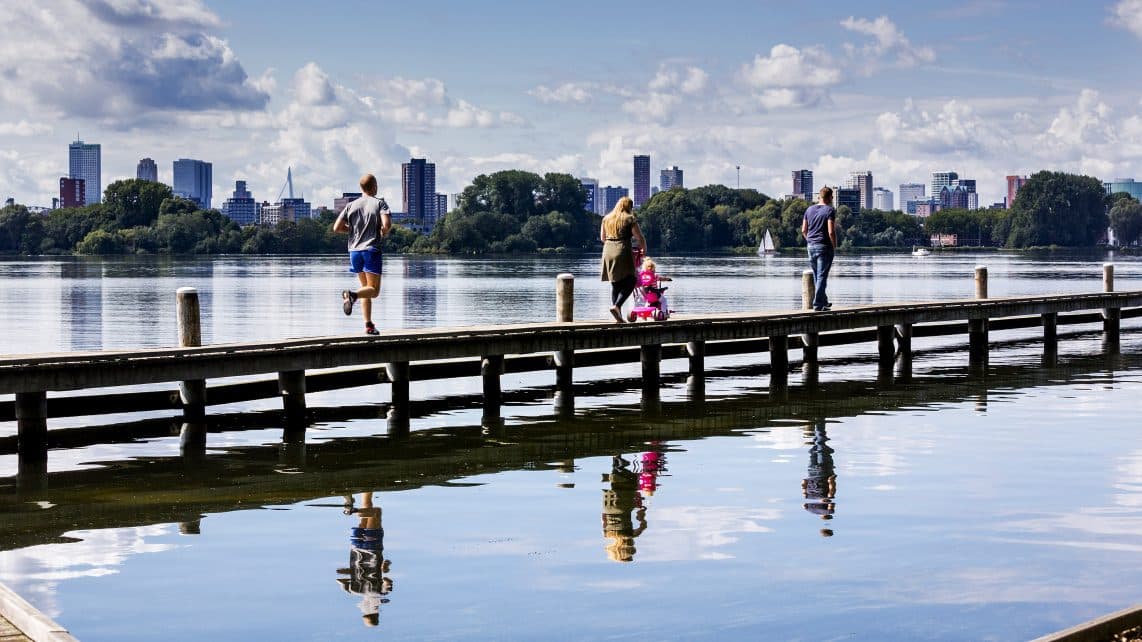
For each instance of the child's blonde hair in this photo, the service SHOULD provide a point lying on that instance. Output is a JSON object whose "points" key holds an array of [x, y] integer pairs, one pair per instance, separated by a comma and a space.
{"points": [[648, 264]]}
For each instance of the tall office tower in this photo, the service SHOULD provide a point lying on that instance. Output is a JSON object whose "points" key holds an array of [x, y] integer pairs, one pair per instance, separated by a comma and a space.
{"points": [[973, 201], [241, 206], [882, 199], [193, 179], [591, 190], [147, 170], [341, 202], [641, 180], [803, 184], [910, 194], [441, 206], [848, 196], [1014, 183], [967, 183], [954, 196], [71, 192], [418, 199], [941, 180], [83, 161], [861, 181], [670, 178], [609, 196]]}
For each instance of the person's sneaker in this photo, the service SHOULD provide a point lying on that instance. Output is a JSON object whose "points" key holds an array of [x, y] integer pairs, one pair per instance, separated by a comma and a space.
{"points": [[348, 297], [371, 329], [827, 306]]}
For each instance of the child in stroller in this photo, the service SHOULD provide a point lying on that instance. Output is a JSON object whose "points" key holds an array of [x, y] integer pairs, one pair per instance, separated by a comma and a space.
{"points": [[649, 294]]}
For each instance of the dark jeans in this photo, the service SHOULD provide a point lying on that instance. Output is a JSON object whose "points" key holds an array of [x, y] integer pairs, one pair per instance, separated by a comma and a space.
{"points": [[621, 289], [820, 259]]}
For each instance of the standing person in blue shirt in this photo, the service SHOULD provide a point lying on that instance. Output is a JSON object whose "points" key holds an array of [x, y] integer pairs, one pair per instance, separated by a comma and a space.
{"points": [[367, 220], [819, 227]]}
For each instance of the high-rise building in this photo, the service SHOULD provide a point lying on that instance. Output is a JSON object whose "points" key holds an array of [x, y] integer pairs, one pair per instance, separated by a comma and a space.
{"points": [[848, 196], [909, 193], [641, 180], [861, 181], [441, 205], [296, 208], [147, 170], [882, 199], [1014, 183], [72, 192], [803, 184], [241, 206], [341, 202], [193, 179], [953, 197], [83, 160], [418, 195], [941, 180], [609, 197], [670, 178], [454, 201], [591, 191]]}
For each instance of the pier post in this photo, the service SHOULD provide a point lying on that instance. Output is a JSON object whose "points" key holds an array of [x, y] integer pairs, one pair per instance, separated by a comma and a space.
{"points": [[491, 367], [886, 344], [651, 357], [904, 351], [291, 386], [1050, 322], [192, 440], [809, 340], [778, 362], [32, 430], [564, 313], [1111, 317], [399, 375], [192, 393], [696, 351], [977, 328]]}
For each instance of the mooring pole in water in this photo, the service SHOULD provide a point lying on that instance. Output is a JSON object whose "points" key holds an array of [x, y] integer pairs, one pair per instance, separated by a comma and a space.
{"points": [[1111, 317], [564, 313], [491, 367], [291, 386], [977, 328], [32, 430], [191, 393]]}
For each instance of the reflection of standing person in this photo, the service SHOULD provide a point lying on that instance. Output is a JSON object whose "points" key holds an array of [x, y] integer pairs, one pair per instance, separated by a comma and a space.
{"points": [[820, 486], [367, 221], [616, 232], [618, 502], [819, 227], [367, 563]]}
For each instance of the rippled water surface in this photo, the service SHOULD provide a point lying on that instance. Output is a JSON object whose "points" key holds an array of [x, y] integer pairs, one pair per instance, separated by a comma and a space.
{"points": [[951, 505]]}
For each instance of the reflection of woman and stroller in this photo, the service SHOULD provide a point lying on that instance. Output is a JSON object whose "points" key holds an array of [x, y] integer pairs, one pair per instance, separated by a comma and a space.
{"points": [[367, 564], [629, 482], [820, 486]]}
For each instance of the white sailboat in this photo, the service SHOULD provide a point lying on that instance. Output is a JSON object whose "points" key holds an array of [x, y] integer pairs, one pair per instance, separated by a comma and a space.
{"points": [[767, 247]]}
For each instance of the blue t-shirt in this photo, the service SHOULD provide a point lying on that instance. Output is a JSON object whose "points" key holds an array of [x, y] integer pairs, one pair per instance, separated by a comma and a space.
{"points": [[817, 219]]}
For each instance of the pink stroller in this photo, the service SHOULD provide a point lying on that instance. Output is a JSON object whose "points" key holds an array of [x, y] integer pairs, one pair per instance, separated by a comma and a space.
{"points": [[649, 294]]}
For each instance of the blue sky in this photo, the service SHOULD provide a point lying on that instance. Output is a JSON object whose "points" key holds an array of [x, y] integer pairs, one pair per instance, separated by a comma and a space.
{"points": [[986, 87]]}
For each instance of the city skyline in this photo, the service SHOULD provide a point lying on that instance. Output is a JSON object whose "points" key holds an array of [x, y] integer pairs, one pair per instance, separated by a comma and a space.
{"points": [[896, 89]]}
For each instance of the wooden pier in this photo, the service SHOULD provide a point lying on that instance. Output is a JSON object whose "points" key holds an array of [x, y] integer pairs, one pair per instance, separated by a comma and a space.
{"points": [[399, 357]]}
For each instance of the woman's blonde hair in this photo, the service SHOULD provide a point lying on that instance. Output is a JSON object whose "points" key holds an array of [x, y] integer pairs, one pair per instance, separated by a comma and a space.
{"points": [[613, 222]]}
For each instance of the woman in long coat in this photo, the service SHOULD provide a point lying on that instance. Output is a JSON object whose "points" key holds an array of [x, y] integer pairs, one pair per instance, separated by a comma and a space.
{"points": [[616, 232]]}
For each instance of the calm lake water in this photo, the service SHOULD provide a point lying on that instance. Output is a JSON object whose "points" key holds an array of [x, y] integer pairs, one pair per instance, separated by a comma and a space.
{"points": [[952, 506]]}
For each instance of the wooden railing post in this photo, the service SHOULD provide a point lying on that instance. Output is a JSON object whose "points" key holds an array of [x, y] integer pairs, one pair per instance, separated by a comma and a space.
{"points": [[192, 393], [977, 328], [491, 367], [291, 386], [1111, 317], [564, 313], [32, 429]]}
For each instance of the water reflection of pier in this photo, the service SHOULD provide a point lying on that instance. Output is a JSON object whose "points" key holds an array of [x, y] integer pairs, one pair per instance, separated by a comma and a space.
{"points": [[181, 489]]}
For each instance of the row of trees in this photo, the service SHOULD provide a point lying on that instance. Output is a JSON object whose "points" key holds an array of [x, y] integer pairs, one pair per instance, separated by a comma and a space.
{"points": [[517, 211]]}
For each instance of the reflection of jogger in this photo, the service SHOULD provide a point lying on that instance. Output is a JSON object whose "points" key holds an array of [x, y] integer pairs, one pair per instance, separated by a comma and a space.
{"points": [[367, 564], [820, 486]]}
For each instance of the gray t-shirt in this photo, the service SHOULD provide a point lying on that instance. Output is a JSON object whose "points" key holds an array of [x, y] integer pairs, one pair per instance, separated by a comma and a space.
{"points": [[363, 216]]}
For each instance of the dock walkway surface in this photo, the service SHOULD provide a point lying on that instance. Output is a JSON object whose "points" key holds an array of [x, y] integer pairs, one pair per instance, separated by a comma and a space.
{"points": [[21, 621]]}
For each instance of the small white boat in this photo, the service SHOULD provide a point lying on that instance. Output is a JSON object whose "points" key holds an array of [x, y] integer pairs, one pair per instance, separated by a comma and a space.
{"points": [[766, 248], [920, 251]]}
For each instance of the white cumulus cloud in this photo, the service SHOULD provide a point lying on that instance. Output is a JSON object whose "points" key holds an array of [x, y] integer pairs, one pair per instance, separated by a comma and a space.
{"points": [[889, 41], [1128, 15]]}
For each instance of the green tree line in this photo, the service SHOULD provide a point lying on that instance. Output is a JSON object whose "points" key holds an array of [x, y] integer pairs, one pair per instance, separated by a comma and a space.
{"points": [[518, 211]]}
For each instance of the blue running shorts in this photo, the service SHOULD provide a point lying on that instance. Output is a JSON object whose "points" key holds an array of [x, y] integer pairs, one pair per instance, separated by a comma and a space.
{"points": [[365, 261]]}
